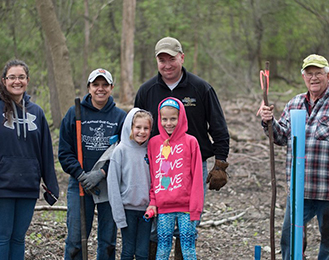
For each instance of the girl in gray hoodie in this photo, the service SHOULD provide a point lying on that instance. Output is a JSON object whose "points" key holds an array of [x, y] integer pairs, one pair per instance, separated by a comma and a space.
{"points": [[129, 184]]}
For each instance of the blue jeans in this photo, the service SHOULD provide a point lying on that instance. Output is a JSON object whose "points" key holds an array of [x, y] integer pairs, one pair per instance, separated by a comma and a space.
{"points": [[187, 232], [312, 208], [153, 236], [16, 216], [106, 231], [135, 237]]}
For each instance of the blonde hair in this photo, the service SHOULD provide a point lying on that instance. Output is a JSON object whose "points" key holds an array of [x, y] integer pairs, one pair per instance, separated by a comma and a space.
{"points": [[141, 114]]}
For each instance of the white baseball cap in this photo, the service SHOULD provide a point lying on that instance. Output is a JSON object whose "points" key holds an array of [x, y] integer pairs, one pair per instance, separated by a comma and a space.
{"points": [[100, 72]]}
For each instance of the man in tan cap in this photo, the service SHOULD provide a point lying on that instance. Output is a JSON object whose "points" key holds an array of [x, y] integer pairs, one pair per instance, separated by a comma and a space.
{"points": [[316, 189], [203, 110]]}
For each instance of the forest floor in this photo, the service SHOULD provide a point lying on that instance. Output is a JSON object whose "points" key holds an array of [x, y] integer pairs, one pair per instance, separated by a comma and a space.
{"points": [[235, 219]]}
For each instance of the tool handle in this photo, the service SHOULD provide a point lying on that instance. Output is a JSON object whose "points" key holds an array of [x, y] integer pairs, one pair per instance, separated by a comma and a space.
{"points": [[77, 109]]}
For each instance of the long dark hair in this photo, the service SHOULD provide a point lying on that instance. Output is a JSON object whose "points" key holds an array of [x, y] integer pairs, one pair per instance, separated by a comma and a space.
{"points": [[4, 94]]}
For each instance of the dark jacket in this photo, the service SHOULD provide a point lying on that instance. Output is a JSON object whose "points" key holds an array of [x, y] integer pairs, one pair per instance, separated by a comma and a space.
{"points": [[97, 126], [26, 153], [203, 110]]}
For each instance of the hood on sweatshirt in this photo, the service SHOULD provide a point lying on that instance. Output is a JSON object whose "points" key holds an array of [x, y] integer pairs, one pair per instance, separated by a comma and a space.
{"points": [[181, 127], [126, 129]]}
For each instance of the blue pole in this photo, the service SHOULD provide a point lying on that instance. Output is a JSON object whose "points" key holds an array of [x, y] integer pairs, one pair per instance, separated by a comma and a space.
{"points": [[298, 119], [293, 197], [257, 252]]}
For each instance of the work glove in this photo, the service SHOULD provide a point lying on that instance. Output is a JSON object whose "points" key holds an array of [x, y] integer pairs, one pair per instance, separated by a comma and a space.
{"points": [[49, 196], [217, 177], [90, 179]]}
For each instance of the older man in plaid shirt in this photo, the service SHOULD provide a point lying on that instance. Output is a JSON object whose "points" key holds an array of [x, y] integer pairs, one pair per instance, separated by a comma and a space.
{"points": [[315, 101]]}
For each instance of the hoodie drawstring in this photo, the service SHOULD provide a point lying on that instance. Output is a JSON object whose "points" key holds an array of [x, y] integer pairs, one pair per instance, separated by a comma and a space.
{"points": [[24, 119], [17, 120]]}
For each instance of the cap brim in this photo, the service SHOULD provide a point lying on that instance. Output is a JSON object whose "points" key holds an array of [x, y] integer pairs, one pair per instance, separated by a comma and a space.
{"points": [[315, 65], [170, 52], [100, 75]]}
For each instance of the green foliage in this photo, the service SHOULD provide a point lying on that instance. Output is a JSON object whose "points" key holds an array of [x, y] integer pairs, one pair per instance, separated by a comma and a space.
{"points": [[35, 237], [225, 41], [59, 216], [42, 99], [56, 216], [19, 23]]}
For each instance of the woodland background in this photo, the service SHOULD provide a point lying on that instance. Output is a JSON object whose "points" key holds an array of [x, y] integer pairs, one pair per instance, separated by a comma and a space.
{"points": [[226, 42]]}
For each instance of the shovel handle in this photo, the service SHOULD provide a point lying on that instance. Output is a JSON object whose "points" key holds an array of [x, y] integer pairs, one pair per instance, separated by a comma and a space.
{"points": [[81, 191]]}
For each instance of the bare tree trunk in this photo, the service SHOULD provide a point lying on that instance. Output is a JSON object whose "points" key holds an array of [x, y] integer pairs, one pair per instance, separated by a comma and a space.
{"points": [[83, 83], [59, 54], [127, 51], [54, 101]]}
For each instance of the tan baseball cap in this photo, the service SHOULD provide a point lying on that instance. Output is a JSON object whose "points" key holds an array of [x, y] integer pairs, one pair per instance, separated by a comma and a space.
{"points": [[168, 45], [314, 60]]}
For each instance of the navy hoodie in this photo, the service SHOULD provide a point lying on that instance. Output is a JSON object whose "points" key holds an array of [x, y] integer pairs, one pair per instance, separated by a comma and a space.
{"points": [[26, 152], [97, 126]]}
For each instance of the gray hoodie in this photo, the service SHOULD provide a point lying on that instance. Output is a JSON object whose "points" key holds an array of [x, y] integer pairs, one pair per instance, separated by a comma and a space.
{"points": [[128, 178]]}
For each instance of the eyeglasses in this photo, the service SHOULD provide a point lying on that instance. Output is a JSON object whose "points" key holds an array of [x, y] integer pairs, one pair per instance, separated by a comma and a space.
{"points": [[13, 77], [316, 74]]}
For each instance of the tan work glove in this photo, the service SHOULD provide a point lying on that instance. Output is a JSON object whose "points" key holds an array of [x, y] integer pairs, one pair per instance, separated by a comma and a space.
{"points": [[217, 177]]}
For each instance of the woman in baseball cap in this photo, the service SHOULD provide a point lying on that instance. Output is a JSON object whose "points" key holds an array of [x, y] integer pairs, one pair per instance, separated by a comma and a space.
{"points": [[100, 121]]}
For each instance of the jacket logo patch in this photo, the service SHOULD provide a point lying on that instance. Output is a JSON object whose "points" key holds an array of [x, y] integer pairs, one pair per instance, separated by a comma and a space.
{"points": [[189, 102], [29, 120]]}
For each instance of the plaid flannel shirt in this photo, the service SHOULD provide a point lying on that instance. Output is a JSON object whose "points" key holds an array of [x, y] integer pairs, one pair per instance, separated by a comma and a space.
{"points": [[316, 144]]}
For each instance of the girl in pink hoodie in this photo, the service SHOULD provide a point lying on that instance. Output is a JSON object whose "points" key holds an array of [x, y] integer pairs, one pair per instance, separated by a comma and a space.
{"points": [[176, 179]]}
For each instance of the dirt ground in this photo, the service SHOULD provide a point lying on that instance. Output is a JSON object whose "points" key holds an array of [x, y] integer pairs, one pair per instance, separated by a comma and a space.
{"points": [[235, 219]]}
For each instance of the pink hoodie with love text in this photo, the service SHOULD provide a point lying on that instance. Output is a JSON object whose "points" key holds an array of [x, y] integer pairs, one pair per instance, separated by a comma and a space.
{"points": [[176, 169]]}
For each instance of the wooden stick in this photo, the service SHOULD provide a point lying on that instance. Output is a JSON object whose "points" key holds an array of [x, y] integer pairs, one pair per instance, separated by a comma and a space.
{"points": [[273, 179]]}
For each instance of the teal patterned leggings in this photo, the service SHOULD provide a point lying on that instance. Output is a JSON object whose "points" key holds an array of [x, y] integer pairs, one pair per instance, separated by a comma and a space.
{"points": [[187, 232]]}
